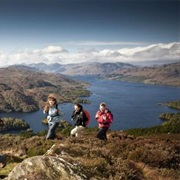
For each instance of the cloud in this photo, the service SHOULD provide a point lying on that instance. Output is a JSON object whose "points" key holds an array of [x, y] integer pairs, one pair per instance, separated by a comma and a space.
{"points": [[104, 43], [110, 53], [57, 54], [50, 50], [170, 51]]}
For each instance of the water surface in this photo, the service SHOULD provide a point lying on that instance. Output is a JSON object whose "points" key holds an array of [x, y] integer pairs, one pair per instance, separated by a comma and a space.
{"points": [[133, 105]]}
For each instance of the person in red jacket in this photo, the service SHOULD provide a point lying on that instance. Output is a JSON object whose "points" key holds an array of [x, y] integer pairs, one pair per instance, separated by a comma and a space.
{"points": [[104, 118]]}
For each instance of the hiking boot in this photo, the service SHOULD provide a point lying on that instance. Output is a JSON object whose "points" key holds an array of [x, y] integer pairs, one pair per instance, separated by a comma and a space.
{"points": [[72, 135]]}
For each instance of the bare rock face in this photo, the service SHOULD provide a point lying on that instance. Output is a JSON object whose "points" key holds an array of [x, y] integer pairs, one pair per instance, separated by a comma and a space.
{"points": [[46, 168]]}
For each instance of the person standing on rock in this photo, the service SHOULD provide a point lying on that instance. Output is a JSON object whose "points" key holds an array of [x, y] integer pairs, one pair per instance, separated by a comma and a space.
{"points": [[104, 118], [52, 111]]}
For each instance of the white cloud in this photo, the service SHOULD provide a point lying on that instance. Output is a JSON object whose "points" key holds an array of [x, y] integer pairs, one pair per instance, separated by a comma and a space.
{"points": [[50, 50], [170, 51], [57, 54], [104, 43]]}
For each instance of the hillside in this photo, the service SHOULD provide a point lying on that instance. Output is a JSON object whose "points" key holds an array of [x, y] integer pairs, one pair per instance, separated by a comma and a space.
{"points": [[123, 156], [25, 90], [93, 68], [167, 74], [137, 154]]}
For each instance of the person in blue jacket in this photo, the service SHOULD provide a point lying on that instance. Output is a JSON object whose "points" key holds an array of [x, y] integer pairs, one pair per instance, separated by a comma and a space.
{"points": [[52, 111]]}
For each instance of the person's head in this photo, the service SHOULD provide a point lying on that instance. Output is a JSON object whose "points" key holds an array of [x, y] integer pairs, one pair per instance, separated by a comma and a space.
{"points": [[52, 99], [102, 106], [77, 107]]}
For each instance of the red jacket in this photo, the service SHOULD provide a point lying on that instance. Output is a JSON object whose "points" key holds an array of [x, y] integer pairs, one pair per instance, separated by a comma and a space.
{"points": [[104, 118]]}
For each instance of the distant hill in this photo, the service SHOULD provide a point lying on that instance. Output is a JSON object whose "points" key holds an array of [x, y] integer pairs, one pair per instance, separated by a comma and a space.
{"points": [[167, 74], [23, 89], [93, 68]]}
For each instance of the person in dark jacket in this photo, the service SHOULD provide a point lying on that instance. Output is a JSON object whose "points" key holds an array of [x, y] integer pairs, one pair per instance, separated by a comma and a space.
{"points": [[79, 117], [104, 118]]}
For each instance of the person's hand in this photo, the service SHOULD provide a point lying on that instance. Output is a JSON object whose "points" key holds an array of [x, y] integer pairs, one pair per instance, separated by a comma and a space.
{"points": [[104, 118], [97, 116]]}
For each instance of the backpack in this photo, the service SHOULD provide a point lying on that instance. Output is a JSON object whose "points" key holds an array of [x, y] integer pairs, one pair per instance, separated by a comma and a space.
{"points": [[110, 113], [88, 117]]}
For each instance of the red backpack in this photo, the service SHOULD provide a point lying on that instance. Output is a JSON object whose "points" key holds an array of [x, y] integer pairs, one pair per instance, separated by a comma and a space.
{"points": [[88, 117]]}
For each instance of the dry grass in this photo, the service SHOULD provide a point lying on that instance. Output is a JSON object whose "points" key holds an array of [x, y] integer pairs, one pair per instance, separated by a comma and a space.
{"points": [[121, 157]]}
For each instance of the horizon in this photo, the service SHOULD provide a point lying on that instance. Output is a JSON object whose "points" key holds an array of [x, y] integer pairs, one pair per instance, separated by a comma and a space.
{"points": [[136, 64], [65, 32]]}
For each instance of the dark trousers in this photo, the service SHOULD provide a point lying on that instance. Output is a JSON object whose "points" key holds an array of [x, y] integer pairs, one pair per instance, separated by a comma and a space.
{"points": [[102, 133], [52, 129]]}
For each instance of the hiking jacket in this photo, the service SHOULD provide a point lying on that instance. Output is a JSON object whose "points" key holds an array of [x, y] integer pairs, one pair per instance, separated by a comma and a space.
{"points": [[53, 115], [79, 118], [104, 118]]}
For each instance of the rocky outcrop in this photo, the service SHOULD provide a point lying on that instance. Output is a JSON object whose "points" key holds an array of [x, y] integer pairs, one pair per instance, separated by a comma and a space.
{"points": [[46, 168]]}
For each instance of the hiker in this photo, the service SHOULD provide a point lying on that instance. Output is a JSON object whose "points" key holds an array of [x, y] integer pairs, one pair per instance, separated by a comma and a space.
{"points": [[80, 118], [52, 111], [104, 118], [2, 160]]}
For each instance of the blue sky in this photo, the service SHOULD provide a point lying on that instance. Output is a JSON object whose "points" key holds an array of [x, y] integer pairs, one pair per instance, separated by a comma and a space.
{"points": [[67, 29]]}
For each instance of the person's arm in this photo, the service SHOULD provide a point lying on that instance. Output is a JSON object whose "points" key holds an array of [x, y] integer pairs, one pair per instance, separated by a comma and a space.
{"points": [[73, 114], [100, 117], [98, 114], [46, 109], [109, 117]]}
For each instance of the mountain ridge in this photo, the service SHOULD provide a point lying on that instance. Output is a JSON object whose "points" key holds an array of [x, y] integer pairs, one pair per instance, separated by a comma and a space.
{"points": [[93, 68], [166, 74]]}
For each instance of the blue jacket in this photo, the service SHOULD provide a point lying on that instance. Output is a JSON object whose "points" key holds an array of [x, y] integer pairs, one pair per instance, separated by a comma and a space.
{"points": [[53, 116]]}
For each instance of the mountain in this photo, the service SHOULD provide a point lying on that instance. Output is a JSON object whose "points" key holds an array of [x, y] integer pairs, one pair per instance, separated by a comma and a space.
{"points": [[167, 74], [93, 68], [96, 68], [25, 89]]}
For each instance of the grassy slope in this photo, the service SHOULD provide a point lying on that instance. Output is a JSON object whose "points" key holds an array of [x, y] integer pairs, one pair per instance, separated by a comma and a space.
{"points": [[124, 156]]}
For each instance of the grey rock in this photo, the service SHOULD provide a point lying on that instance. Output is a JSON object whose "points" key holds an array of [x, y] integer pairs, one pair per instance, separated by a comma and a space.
{"points": [[46, 168]]}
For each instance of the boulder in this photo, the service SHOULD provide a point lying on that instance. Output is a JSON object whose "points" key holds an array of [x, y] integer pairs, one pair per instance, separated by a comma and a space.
{"points": [[46, 168]]}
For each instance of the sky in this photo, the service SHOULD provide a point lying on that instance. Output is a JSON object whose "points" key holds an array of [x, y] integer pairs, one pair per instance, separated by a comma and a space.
{"points": [[76, 31]]}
